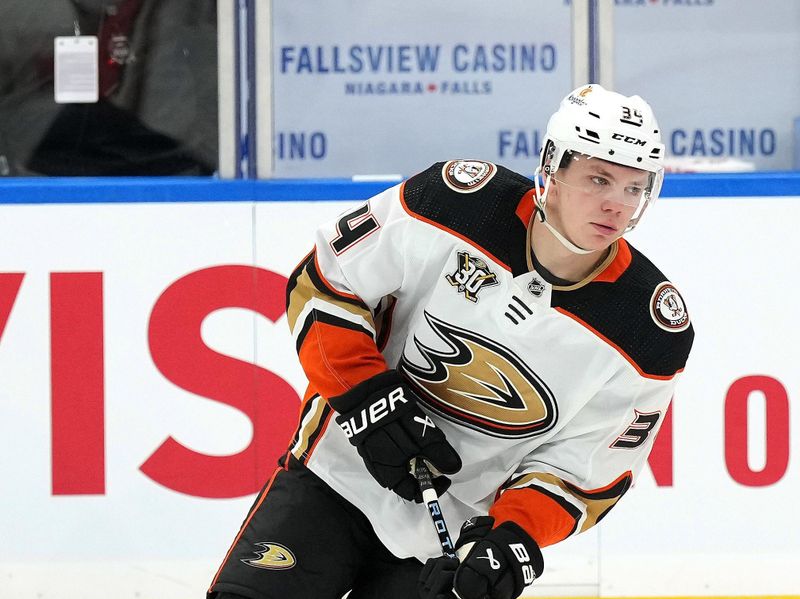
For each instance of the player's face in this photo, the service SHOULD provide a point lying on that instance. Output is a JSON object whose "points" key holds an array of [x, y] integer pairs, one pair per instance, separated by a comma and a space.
{"points": [[592, 201]]}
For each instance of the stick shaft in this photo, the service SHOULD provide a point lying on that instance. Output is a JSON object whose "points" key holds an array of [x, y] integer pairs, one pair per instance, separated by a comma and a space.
{"points": [[431, 499]]}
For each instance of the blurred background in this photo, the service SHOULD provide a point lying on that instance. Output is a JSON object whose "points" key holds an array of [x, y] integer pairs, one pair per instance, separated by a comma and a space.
{"points": [[337, 89], [164, 164]]}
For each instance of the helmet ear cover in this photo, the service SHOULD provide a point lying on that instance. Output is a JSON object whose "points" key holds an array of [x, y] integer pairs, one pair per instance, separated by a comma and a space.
{"points": [[565, 160]]}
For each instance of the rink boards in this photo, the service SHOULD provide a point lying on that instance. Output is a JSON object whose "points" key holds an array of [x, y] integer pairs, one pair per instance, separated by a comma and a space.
{"points": [[149, 382]]}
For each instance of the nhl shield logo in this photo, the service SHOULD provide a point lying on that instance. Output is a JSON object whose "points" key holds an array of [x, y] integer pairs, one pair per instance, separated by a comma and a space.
{"points": [[536, 287], [471, 276]]}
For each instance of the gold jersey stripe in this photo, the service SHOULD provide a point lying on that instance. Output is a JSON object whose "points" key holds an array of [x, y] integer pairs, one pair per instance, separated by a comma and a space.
{"points": [[594, 507], [310, 426], [305, 290]]}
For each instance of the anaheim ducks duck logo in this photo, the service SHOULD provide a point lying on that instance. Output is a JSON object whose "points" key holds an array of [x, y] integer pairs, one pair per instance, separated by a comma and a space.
{"points": [[481, 384], [272, 556]]}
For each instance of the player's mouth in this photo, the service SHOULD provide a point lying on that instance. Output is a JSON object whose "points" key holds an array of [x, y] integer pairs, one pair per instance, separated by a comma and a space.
{"points": [[605, 229]]}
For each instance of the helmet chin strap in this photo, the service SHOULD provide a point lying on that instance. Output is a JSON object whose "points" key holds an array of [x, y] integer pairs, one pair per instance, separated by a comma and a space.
{"points": [[541, 200]]}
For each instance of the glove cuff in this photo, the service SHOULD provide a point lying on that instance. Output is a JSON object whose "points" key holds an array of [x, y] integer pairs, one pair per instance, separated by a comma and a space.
{"points": [[521, 549], [349, 400]]}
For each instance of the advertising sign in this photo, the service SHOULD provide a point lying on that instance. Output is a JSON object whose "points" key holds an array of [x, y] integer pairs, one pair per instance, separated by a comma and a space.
{"points": [[387, 88], [721, 75]]}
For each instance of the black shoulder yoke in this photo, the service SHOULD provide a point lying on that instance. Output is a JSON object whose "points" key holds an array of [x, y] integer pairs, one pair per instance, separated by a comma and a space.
{"points": [[485, 214], [623, 312]]}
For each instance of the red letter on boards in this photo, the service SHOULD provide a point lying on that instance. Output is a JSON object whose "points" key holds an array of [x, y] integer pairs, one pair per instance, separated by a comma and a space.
{"points": [[76, 382], [181, 355]]}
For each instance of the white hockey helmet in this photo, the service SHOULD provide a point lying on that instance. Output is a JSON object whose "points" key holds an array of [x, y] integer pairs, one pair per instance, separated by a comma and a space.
{"points": [[603, 124]]}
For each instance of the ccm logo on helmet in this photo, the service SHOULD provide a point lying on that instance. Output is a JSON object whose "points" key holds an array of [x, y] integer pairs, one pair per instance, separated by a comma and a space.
{"points": [[372, 414], [628, 139]]}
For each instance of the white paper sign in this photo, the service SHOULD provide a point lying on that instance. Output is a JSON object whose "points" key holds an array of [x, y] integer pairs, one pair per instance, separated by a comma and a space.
{"points": [[76, 70]]}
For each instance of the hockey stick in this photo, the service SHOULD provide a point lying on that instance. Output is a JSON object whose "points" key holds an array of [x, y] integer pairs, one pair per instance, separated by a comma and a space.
{"points": [[431, 499]]}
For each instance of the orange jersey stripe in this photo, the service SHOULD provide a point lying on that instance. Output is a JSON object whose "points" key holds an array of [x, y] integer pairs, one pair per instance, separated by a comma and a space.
{"points": [[585, 324], [336, 359], [539, 515], [618, 265], [525, 207], [310, 392]]}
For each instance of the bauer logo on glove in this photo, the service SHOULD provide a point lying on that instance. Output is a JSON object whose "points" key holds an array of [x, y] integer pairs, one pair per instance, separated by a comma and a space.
{"points": [[373, 413], [383, 422]]}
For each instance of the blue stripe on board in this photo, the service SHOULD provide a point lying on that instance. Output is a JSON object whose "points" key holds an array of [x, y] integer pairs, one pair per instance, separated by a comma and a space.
{"points": [[77, 190], [711, 185]]}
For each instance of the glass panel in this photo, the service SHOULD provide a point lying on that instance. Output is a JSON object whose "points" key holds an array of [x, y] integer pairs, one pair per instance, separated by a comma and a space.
{"points": [[157, 107], [722, 76], [387, 87]]}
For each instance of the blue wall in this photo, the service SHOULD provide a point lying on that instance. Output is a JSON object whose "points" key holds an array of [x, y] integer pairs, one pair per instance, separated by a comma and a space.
{"points": [[174, 189]]}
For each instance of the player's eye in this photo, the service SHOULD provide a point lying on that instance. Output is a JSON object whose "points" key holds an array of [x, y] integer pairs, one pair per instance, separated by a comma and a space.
{"points": [[598, 180], [634, 190]]}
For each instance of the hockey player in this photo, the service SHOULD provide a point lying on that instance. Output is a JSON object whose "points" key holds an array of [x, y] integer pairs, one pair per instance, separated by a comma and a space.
{"points": [[503, 331]]}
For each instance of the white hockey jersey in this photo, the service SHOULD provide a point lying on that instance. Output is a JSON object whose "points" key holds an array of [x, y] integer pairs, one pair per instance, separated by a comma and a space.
{"points": [[551, 394]]}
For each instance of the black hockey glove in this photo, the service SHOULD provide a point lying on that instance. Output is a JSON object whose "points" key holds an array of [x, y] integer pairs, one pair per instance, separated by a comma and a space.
{"points": [[496, 563], [381, 418], [436, 579]]}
